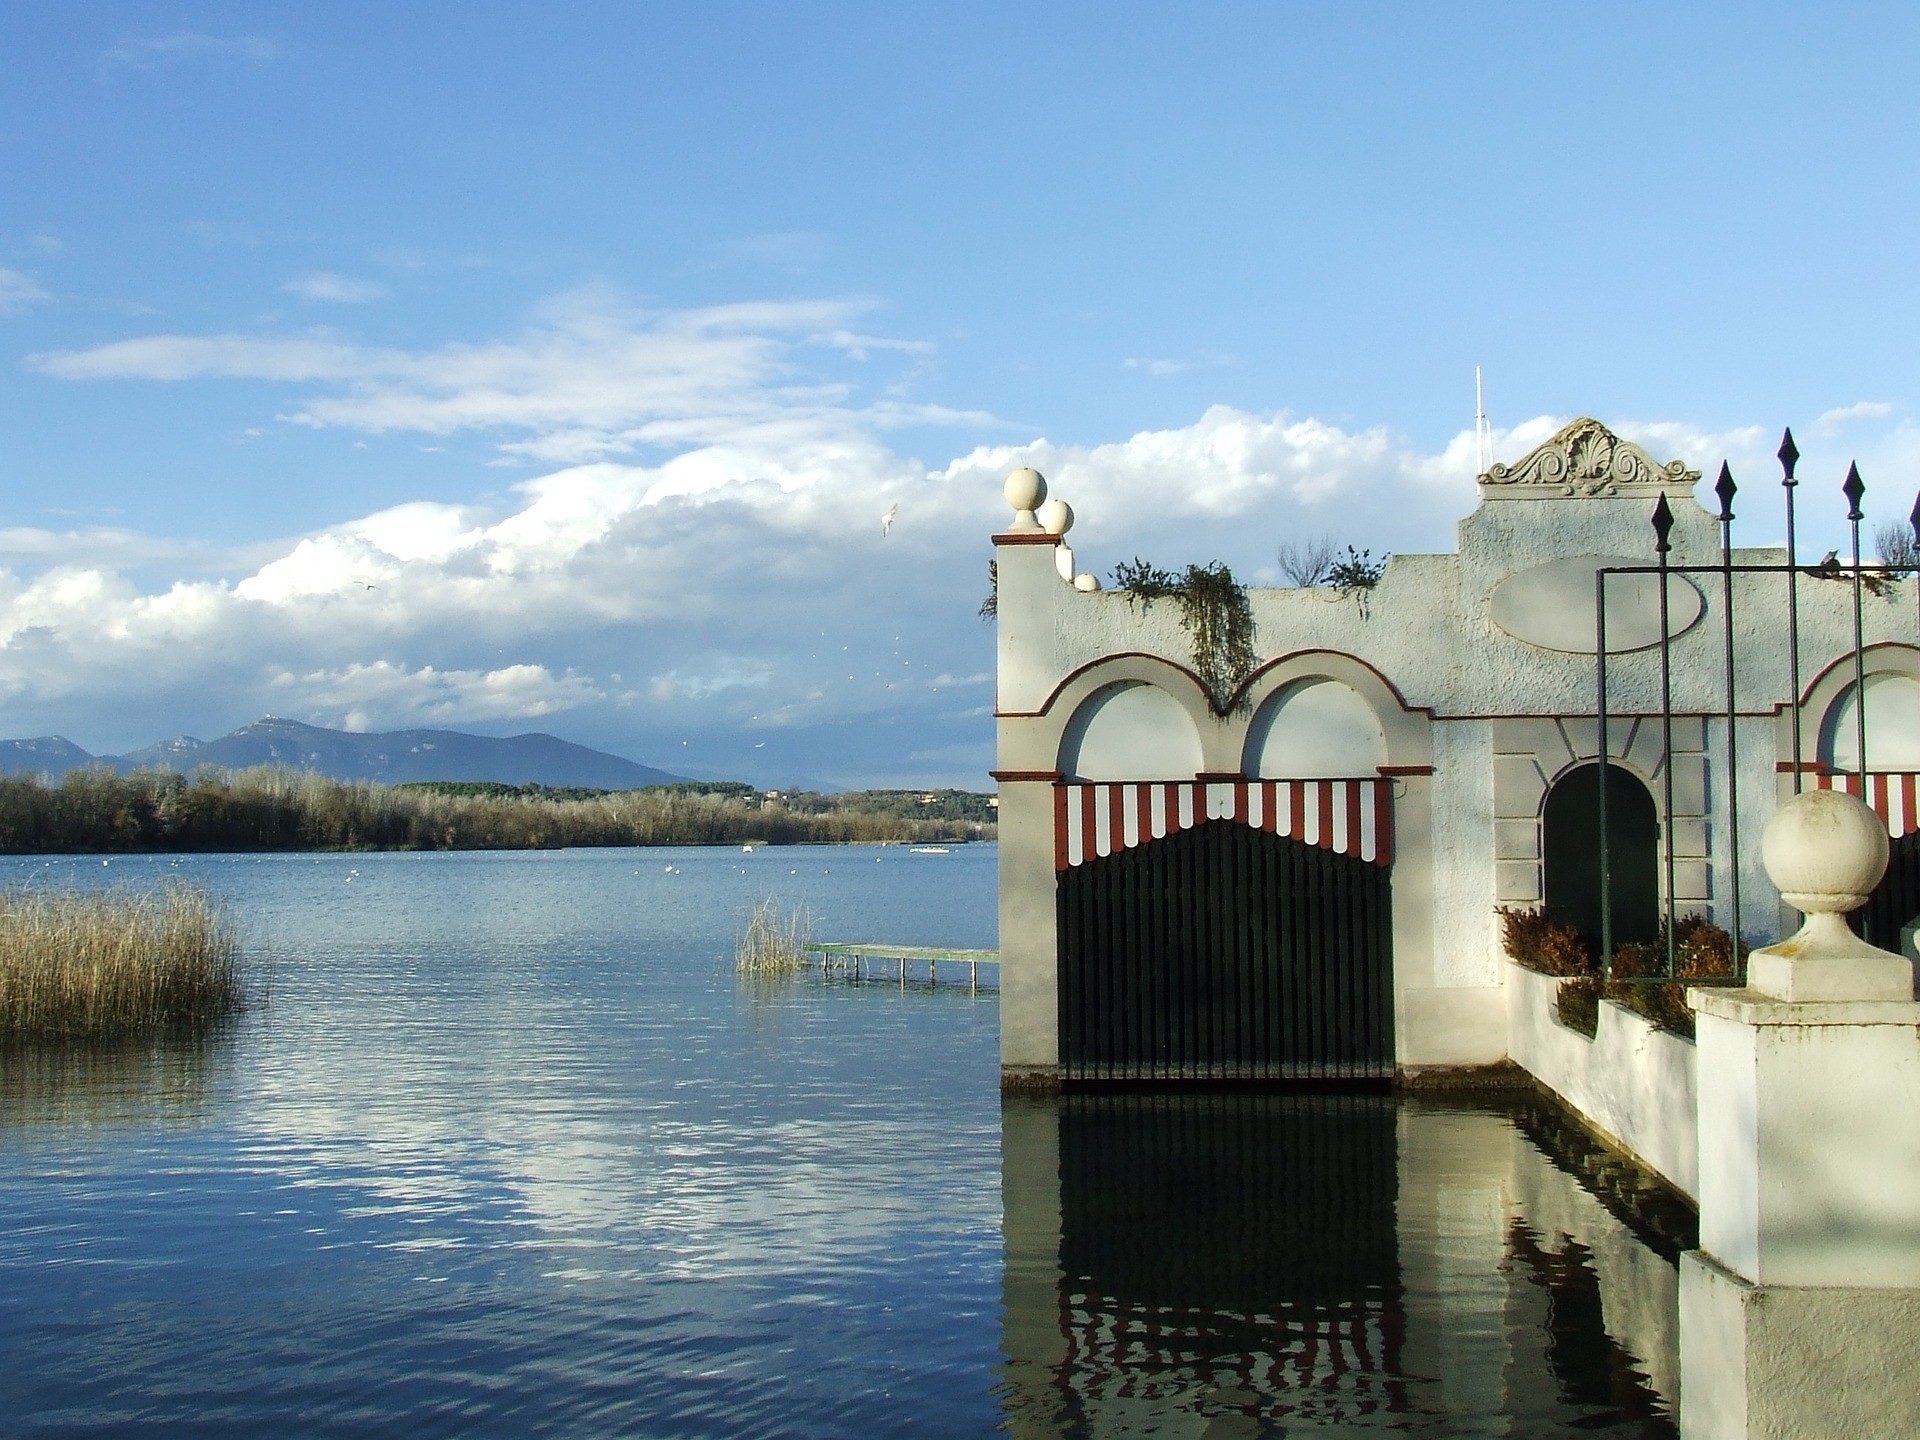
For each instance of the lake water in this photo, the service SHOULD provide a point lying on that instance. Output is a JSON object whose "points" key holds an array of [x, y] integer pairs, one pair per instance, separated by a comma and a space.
{"points": [[511, 1150]]}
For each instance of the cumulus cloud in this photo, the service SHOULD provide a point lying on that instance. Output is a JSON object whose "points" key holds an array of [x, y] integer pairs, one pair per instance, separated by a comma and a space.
{"points": [[325, 286], [734, 575]]}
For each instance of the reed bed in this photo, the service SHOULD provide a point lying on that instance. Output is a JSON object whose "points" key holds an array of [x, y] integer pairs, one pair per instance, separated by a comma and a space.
{"points": [[99, 964], [773, 942]]}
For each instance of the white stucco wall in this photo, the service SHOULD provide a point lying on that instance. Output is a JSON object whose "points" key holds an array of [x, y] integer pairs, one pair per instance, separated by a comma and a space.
{"points": [[1466, 949], [1633, 1082]]}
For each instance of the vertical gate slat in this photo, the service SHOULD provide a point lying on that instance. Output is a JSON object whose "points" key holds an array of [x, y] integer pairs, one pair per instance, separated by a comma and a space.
{"points": [[1101, 978]]}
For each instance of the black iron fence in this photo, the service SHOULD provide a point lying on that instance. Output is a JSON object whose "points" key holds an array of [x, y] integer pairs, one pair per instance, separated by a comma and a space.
{"points": [[1862, 576]]}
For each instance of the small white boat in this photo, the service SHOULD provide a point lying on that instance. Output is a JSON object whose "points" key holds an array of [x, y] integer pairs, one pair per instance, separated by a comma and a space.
{"points": [[929, 850], [746, 849]]}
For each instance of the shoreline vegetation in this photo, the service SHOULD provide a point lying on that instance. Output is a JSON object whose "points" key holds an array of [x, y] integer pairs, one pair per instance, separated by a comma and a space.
{"points": [[94, 811], [107, 964], [774, 941]]}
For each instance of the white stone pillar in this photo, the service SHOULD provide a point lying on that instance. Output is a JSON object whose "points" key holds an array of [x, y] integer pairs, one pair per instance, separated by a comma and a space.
{"points": [[1029, 588], [1797, 1312]]}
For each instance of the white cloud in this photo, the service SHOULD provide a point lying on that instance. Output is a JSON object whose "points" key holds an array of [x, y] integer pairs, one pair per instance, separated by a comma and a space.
{"points": [[593, 378], [18, 290], [1831, 420], [226, 357], [385, 695], [738, 569], [1210, 360], [149, 52], [858, 346], [325, 286]]}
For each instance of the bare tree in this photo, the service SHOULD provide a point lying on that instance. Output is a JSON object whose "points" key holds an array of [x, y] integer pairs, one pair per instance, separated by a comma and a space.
{"points": [[1898, 550], [1307, 562]]}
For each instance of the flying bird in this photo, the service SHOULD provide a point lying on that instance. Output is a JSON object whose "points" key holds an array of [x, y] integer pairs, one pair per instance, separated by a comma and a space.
{"points": [[886, 520]]}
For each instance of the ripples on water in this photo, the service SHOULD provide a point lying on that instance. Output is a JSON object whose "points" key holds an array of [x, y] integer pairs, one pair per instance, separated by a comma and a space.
{"points": [[511, 1150]]}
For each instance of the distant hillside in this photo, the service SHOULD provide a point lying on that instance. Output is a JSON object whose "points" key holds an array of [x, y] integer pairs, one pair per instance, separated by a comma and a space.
{"points": [[392, 758], [48, 755]]}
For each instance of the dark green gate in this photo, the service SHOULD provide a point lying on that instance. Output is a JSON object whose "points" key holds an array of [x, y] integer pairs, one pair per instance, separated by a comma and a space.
{"points": [[1225, 952], [1896, 899]]}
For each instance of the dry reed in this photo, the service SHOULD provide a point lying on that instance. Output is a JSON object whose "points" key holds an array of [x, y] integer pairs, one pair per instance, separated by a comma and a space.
{"points": [[773, 942], [95, 964]]}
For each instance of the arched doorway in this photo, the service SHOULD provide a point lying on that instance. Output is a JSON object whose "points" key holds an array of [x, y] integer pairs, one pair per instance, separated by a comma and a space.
{"points": [[1570, 848]]}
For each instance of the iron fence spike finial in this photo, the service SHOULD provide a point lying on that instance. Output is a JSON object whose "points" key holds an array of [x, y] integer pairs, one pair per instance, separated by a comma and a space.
{"points": [[1854, 488], [1789, 454], [1724, 488], [1662, 524]]}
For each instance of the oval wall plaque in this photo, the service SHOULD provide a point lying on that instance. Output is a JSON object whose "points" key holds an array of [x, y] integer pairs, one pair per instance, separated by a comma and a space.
{"points": [[1552, 605]]}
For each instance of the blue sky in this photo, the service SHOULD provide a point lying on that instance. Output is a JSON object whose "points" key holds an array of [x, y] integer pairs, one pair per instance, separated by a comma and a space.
{"points": [[511, 368]]}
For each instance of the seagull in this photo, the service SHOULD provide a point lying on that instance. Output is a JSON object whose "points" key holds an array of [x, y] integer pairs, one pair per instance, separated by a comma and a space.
{"points": [[886, 520]]}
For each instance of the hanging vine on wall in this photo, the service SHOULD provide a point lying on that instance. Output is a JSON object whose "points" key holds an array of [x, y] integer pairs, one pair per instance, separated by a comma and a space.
{"points": [[1214, 611]]}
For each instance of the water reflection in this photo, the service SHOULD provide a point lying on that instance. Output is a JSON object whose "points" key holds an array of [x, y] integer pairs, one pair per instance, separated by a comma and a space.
{"points": [[81, 1084], [1287, 1264]]}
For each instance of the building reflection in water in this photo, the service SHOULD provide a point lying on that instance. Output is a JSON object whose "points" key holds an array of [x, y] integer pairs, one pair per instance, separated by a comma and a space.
{"points": [[1289, 1264]]}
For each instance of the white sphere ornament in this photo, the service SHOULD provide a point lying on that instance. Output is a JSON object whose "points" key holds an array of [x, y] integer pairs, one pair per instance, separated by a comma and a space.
{"points": [[1025, 488], [1085, 582], [1055, 517], [1825, 850]]}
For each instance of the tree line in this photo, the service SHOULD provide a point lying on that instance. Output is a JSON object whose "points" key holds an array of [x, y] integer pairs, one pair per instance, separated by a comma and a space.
{"points": [[272, 808]]}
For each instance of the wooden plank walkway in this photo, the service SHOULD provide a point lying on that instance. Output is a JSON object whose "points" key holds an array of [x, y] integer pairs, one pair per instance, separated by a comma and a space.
{"points": [[863, 961]]}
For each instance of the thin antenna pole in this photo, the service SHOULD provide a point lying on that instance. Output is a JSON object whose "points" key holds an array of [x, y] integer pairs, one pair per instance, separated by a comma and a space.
{"points": [[1482, 430]]}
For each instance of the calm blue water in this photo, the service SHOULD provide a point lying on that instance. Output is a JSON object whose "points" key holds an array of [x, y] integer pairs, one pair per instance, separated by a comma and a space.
{"points": [[511, 1150]]}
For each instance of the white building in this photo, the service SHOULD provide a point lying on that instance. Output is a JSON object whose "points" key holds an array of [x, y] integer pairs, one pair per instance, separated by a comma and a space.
{"points": [[1301, 878]]}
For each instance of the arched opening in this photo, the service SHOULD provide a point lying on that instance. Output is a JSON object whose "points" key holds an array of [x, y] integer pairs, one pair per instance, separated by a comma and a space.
{"points": [[1130, 731], [1893, 727], [1570, 848], [1315, 728]]}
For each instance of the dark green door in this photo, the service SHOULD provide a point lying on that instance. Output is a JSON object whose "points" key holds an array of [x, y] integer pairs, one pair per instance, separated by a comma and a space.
{"points": [[1570, 847]]}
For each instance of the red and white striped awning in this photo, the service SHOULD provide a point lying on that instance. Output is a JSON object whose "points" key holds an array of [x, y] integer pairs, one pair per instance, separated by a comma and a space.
{"points": [[1895, 797], [1353, 817]]}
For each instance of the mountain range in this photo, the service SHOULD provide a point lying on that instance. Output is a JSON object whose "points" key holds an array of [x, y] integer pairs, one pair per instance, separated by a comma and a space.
{"points": [[392, 758]]}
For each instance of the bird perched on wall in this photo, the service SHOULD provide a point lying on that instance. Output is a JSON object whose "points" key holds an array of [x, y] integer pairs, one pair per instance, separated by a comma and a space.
{"points": [[1830, 568], [886, 520]]}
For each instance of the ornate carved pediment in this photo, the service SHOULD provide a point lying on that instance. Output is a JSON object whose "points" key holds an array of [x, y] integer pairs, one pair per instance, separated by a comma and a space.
{"points": [[1586, 458]]}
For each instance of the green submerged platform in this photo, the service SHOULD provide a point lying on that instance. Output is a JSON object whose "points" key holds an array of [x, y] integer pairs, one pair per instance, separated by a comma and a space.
{"points": [[866, 961]]}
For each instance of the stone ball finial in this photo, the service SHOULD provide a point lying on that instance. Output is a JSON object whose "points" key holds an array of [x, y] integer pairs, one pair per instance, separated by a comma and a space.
{"points": [[1055, 517], [1086, 583], [1025, 488], [1825, 850]]}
